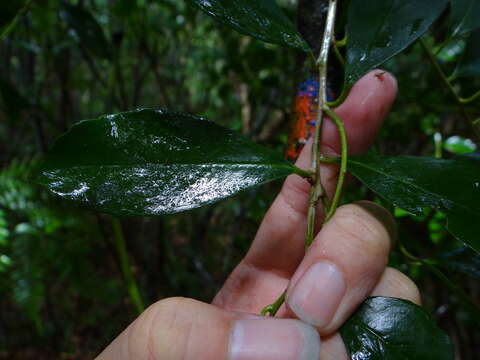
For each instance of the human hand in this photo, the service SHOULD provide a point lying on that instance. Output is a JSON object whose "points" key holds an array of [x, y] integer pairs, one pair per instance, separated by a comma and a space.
{"points": [[345, 264]]}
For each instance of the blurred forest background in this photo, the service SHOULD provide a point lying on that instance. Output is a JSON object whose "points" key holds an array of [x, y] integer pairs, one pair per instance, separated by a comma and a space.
{"points": [[63, 295]]}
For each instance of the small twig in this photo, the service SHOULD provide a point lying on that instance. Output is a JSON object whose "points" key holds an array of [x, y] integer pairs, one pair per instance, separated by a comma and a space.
{"points": [[8, 28], [317, 192], [448, 84], [119, 244], [343, 163]]}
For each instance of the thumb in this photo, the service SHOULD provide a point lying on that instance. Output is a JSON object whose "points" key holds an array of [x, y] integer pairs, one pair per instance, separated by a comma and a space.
{"points": [[179, 328]]}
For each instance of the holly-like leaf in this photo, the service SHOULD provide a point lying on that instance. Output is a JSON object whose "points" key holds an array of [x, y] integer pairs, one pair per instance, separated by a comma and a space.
{"points": [[465, 16], [262, 19], [383, 28], [470, 62], [386, 328], [463, 260], [89, 32], [151, 162], [413, 183]]}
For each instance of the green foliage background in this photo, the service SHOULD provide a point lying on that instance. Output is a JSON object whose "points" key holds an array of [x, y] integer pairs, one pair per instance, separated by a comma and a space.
{"points": [[63, 295]]}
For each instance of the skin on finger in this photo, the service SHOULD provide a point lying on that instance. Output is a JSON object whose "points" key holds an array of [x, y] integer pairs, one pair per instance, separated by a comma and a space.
{"points": [[278, 247], [393, 283], [342, 266], [172, 329], [398, 285], [185, 329]]}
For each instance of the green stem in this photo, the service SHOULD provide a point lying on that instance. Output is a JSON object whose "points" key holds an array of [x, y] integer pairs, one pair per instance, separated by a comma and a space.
{"points": [[341, 99], [343, 163], [437, 139], [455, 288], [8, 28], [471, 98], [447, 83], [317, 192], [120, 247], [341, 43], [272, 309], [339, 56]]}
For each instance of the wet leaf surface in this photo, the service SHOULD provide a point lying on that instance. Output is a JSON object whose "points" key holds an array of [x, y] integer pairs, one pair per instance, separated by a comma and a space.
{"points": [[152, 162], [413, 183], [386, 328], [262, 19], [383, 29]]}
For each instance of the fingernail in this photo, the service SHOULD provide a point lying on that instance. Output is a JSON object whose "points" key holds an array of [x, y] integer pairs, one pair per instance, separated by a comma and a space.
{"points": [[316, 296], [273, 339]]}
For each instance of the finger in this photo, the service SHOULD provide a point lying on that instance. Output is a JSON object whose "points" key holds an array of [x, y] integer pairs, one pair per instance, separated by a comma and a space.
{"points": [[278, 247], [392, 284], [184, 329], [342, 266], [398, 285]]}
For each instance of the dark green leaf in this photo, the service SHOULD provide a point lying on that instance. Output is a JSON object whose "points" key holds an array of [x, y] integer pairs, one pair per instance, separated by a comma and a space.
{"points": [[470, 63], [87, 29], [386, 328], [151, 162], [262, 19], [383, 29], [412, 183], [463, 260], [465, 16]]}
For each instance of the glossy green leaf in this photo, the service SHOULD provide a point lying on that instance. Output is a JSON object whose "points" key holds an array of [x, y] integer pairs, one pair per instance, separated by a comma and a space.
{"points": [[413, 183], [152, 162], [87, 29], [463, 260], [459, 145], [383, 28], [262, 19], [386, 328], [465, 16], [470, 62]]}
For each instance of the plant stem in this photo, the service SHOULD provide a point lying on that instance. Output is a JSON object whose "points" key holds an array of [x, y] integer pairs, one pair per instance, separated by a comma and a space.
{"points": [[448, 84], [343, 163], [343, 95], [470, 98], [8, 28], [272, 309], [317, 192], [455, 288], [120, 247]]}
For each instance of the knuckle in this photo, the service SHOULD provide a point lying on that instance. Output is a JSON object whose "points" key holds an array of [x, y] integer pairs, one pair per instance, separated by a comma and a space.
{"points": [[366, 231], [160, 326]]}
